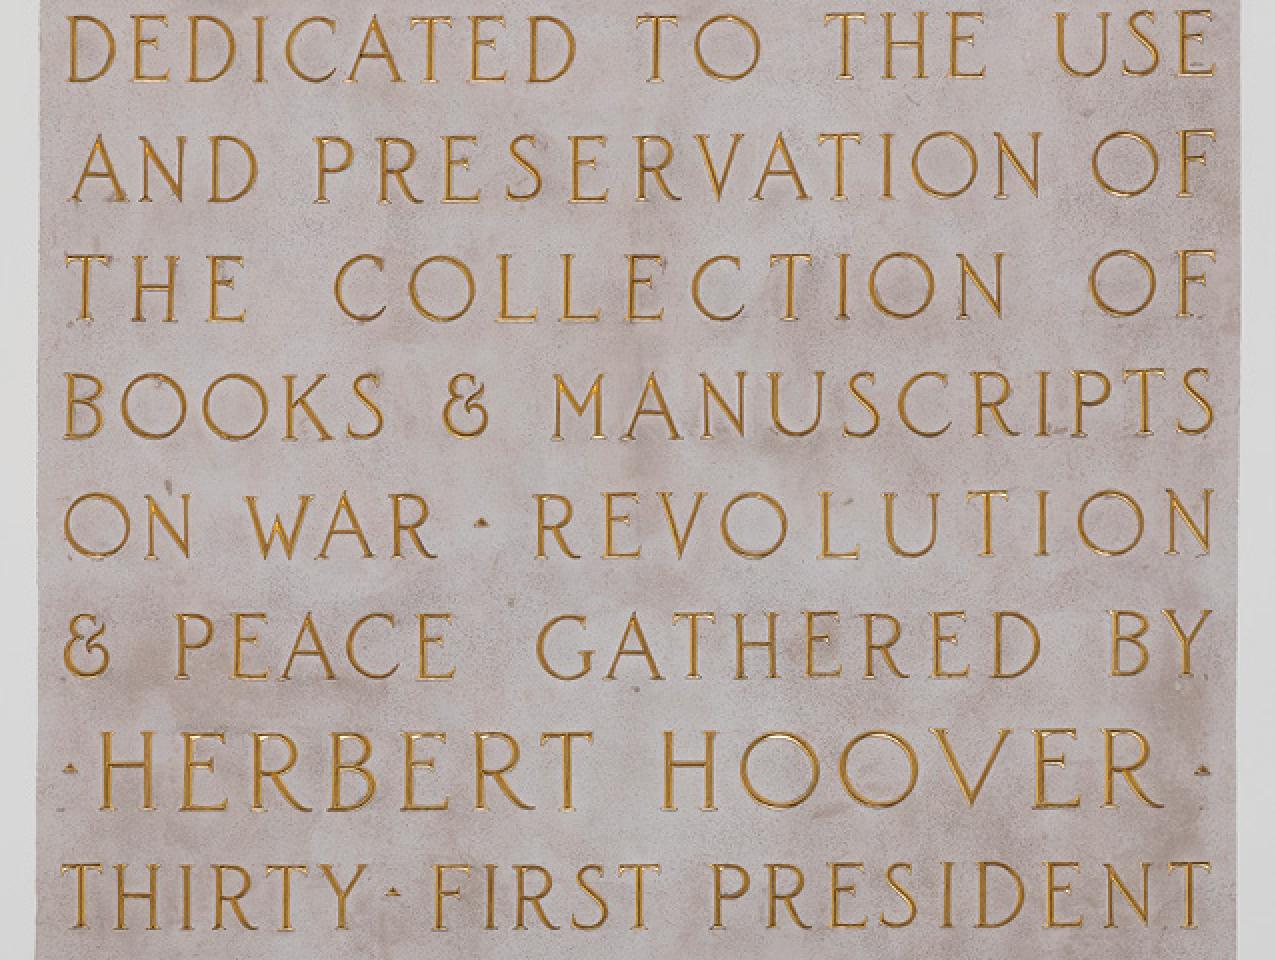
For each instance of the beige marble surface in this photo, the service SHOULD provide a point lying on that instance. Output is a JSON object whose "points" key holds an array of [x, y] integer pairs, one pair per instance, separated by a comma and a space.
{"points": [[500, 594]]}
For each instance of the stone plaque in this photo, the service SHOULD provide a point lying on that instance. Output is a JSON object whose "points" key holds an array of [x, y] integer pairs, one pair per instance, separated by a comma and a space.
{"points": [[620, 480]]}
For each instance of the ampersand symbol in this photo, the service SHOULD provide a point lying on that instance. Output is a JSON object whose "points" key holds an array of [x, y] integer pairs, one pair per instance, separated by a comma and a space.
{"points": [[465, 390], [91, 645]]}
